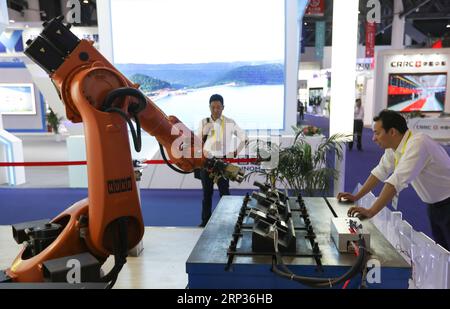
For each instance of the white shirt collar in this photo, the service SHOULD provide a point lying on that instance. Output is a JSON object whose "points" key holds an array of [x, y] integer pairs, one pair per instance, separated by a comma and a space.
{"points": [[218, 119], [402, 143]]}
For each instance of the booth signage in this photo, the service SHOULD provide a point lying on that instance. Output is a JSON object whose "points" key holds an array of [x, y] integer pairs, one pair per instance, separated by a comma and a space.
{"points": [[315, 8], [364, 64], [437, 128], [371, 29], [11, 42], [418, 64], [320, 39]]}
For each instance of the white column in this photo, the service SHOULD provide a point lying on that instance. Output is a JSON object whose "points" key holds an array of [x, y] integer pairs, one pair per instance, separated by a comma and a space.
{"points": [[291, 65], [398, 26], [343, 74], [11, 150], [105, 29], [4, 16], [343, 65]]}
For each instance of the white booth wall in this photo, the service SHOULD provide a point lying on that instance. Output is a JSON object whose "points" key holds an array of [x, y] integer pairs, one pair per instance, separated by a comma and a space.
{"points": [[18, 74]]}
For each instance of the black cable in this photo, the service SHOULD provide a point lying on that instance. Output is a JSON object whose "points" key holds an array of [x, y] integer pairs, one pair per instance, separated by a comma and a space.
{"points": [[133, 109], [161, 148], [317, 282], [136, 134], [330, 207], [122, 92], [322, 282], [112, 283], [120, 250]]}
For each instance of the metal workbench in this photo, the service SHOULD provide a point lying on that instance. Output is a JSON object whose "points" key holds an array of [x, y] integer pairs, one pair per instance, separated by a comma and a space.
{"points": [[207, 263]]}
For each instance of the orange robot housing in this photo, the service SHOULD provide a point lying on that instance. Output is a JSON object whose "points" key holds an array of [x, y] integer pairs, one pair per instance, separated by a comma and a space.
{"points": [[109, 221]]}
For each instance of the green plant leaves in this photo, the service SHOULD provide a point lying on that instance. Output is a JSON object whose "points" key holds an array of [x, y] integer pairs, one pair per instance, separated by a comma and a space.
{"points": [[302, 169]]}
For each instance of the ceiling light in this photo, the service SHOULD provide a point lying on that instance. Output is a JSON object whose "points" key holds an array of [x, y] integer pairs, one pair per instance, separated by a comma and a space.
{"points": [[448, 26], [12, 21], [305, 23], [85, 1]]}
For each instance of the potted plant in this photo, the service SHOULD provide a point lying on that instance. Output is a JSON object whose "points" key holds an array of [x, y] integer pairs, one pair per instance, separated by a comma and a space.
{"points": [[300, 167], [307, 130], [53, 120]]}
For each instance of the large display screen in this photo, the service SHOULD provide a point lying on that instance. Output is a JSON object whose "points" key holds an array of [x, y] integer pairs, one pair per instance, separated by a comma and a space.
{"points": [[182, 52], [417, 92], [17, 99]]}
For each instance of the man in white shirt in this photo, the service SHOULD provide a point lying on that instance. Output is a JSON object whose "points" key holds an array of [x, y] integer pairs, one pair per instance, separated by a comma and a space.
{"points": [[358, 125], [217, 134], [409, 158]]}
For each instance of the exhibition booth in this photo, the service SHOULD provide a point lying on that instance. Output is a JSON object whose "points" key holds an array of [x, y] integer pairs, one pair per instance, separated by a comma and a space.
{"points": [[410, 81], [261, 76], [414, 81]]}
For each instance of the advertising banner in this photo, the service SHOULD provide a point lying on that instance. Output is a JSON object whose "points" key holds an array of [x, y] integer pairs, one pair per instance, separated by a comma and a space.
{"points": [[11, 42], [320, 39], [436, 128], [315, 8], [371, 30]]}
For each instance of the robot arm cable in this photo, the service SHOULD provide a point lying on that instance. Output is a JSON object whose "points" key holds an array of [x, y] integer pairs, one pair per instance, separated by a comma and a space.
{"points": [[120, 251], [133, 109], [161, 148]]}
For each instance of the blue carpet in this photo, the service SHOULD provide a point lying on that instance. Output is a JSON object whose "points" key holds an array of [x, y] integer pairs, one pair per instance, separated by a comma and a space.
{"points": [[159, 207]]}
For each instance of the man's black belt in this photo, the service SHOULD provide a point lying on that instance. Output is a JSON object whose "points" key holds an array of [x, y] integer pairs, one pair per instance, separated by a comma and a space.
{"points": [[441, 203]]}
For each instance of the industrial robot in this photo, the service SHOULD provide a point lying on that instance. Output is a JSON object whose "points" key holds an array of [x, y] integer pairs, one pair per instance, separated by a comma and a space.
{"points": [[109, 221]]}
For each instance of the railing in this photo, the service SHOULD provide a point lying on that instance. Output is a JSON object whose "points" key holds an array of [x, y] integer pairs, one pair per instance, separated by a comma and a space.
{"points": [[430, 262]]}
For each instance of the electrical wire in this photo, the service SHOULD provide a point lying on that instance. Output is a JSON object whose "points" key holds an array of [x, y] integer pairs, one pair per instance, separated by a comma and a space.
{"points": [[170, 165], [355, 248], [317, 282], [120, 250], [133, 110], [135, 134]]}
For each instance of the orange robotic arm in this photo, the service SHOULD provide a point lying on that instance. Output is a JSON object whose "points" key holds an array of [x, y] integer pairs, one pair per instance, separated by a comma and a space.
{"points": [[95, 93]]}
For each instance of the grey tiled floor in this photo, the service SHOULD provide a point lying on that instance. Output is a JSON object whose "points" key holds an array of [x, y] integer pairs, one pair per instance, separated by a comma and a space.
{"points": [[162, 264], [163, 261]]}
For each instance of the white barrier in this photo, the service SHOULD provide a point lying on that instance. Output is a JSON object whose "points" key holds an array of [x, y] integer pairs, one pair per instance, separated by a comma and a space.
{"points": [[11, 150], [430, 262], [161, 176]]}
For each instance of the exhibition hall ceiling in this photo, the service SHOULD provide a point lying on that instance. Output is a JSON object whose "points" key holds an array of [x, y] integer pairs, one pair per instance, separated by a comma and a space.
{"points": [[426, 20]]}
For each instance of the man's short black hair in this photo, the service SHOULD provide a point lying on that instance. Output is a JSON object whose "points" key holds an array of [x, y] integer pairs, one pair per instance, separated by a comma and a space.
{"points": [[216, 97], [391, 119]]}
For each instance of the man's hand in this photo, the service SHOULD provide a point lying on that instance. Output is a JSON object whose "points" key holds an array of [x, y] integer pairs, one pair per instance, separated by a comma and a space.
{"points": [[360, 212], [346, 197]]}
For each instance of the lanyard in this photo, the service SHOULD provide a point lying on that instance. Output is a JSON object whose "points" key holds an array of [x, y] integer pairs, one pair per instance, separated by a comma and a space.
{"points": [[403, 150], [222, 125]]}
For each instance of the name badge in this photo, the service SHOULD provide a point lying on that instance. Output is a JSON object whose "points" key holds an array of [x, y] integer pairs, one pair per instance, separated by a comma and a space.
{"points": [[395, 202]]}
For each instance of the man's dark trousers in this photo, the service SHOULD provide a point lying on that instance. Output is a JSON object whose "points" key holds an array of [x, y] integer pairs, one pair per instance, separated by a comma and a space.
{"points": [[439, 214], [208, 190]]}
